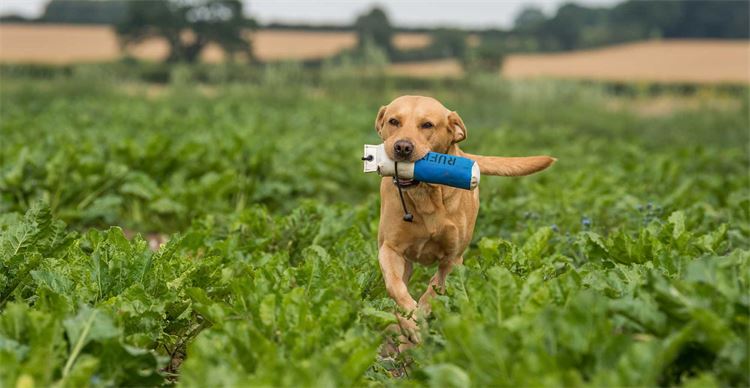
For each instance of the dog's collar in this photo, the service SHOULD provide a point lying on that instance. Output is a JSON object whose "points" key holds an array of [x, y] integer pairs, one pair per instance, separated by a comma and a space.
{"points": [[408, 217]]}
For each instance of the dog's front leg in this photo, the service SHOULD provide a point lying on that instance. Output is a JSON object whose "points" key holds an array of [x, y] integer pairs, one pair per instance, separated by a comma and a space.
{"points": [[437, 284], [396, 270]]}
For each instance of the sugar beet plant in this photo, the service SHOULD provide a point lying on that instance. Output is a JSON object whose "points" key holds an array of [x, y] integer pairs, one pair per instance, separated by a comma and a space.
{"points": [[624, 265]]}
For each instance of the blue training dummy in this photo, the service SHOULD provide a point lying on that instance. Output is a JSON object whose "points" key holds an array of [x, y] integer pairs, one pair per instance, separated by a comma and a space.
{"points": [[437, 168]]}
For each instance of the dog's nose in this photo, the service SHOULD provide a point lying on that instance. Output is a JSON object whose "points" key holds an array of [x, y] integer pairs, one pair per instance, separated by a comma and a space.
{"points": [[403, 148]]}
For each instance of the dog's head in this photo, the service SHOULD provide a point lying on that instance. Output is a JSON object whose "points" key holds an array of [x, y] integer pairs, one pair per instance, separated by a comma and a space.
{"points": [[412, 126]]}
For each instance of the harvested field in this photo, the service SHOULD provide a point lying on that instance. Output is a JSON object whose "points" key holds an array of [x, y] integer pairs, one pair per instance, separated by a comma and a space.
{"points": [[24, 43], [56, 44], [438, 68], [675, 61], [678, 61], [691, 61], [411, 41]]}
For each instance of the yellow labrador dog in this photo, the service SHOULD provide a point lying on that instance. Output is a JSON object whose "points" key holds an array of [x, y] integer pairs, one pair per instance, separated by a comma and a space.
{"points": [[443, 217]]}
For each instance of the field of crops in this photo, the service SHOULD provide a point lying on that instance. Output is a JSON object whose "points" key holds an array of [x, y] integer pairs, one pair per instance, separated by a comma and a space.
{"points": [[625, 264]]}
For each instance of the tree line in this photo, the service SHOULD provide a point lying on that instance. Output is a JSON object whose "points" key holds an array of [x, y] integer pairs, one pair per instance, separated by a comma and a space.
{"points": [[188, 26]]}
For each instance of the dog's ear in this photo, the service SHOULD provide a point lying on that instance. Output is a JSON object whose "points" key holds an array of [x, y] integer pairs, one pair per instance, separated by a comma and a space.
{"points": [[380, 120], [456, 127]]}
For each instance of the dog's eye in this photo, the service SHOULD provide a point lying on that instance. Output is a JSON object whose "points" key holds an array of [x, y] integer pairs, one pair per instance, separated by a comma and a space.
{"points": [[427, 125], [393, 122]]}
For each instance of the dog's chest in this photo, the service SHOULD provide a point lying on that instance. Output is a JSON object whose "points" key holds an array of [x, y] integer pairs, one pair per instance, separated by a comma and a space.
{"points": [[430, 250], [440, 228], [436, 243]]}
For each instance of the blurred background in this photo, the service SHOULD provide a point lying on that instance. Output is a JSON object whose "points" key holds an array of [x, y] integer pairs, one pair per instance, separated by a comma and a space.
{"points": [[663, 41]]}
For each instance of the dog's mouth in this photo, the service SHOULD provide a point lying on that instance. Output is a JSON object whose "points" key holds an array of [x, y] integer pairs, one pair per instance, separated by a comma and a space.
{"points": [[405, 183]]}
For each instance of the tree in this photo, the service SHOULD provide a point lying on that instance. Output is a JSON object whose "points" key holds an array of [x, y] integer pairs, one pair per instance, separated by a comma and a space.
{"points": [[187, 26], [713, 19], [374, 27], [569, 22], [529, 18], [85, 11], [575, 26], [649, 18]]}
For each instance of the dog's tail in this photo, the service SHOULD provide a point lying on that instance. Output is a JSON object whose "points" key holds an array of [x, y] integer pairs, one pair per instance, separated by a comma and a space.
{"points": [[515, 166]]}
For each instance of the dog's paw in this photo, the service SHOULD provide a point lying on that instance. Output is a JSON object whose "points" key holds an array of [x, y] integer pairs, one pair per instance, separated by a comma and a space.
{"points": [[389, 349], [399, 340], [424, 304], [424, 308], [409, 329]]}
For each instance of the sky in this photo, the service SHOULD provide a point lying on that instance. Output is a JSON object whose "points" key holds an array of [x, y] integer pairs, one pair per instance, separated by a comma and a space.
{"points": [[472, 14]]}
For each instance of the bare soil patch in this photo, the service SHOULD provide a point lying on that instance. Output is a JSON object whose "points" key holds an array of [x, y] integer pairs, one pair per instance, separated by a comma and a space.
{"points": [[673, 61], [61, 43], [439, 68]]}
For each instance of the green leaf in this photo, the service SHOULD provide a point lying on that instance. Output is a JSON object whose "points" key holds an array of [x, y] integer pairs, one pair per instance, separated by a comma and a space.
{"points": [[87, 326], [677, 219], [381, 318], [537, 246], [267, 310], [447, 375]]}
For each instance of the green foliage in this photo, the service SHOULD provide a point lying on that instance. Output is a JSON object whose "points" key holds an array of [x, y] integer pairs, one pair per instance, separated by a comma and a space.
{"points": [[445, 43], [487, 56], [626, 264], [367, 60]]}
